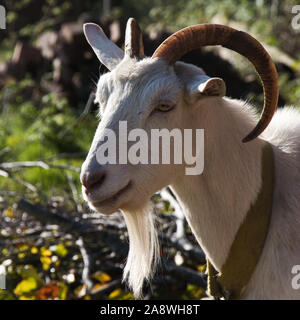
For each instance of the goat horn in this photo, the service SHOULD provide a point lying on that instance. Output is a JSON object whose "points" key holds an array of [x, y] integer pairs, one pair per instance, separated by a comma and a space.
{"points": [[134, 47], [193, 37]]}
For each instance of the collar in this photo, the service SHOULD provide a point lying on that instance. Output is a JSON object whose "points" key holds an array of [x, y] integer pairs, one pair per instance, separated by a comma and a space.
{"points": [[249, 241]]}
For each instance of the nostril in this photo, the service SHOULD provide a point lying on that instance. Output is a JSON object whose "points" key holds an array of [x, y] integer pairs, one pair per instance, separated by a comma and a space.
{"points": [[89, 180]]}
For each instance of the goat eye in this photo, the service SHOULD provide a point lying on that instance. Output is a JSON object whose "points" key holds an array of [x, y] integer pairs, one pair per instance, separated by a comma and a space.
{"points": [[165, 107]]}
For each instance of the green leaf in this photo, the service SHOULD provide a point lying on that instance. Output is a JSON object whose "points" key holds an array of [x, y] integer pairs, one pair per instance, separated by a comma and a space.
{"points": [[28, 271], [5, 295]]}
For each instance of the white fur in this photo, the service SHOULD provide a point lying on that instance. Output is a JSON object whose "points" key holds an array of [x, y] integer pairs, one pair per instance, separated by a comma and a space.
{"points": [[216, 202], [143, 251]]}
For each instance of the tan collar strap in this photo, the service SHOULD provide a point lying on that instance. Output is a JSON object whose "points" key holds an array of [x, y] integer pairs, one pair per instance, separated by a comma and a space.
{"points": [[249, 240]]}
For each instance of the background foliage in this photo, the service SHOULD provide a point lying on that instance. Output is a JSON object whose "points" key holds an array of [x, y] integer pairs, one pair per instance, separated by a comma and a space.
{"points": [[44, 260]]}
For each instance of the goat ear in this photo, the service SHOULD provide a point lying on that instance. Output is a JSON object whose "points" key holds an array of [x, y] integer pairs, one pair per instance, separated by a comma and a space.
{"points": [[206, 86], [197, 82], [106, 51]]}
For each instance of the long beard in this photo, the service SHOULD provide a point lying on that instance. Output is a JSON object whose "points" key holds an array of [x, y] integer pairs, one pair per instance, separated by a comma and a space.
{"points": [[143, 249]]}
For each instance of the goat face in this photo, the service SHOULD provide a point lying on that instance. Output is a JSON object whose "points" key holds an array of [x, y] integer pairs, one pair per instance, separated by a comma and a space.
{"points": [[146, 94]]}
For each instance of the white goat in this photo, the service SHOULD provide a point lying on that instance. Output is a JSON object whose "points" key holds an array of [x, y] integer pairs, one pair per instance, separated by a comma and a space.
{"points": [[159, 92]]}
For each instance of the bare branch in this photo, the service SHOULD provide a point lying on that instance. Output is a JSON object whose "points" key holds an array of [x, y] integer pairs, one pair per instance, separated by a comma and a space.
{"points": [[86, 264], [106, 288], [24, 183], [63, 166], [74, 192], [8, 193], [110, 238], [4, 173], [30, 164], [23, 164], [186, 274]]}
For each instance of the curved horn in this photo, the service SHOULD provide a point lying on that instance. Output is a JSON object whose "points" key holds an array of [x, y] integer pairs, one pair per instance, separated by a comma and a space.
{"points": [[193, 37], [134, 47]]}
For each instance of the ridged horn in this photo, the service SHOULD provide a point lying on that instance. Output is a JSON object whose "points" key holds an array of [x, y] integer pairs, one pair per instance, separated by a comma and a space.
{"points": [[194, 37], [134, 47]]}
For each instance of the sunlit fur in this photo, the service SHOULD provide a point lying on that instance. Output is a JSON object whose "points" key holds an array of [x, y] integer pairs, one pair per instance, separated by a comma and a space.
{"points": [[216, 202]]}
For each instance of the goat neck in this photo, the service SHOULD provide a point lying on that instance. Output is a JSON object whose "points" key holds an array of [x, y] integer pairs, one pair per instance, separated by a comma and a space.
{"points": [[229, 183]]}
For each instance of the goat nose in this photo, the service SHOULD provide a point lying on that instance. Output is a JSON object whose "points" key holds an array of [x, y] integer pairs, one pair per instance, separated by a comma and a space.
{"points": [[89, 179]]}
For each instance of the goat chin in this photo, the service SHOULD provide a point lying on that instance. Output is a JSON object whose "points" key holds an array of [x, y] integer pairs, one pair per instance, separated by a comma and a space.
{"points": [[143, 248]]}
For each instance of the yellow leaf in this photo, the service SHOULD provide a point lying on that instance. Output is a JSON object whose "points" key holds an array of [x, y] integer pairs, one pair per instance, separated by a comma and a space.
{"points": [[34, 250], [102, 276], [61, 250], [80, 291], [63, 289], [9, 213], [21, 255], [194, 291], [202, 267], [97, 286], [12, 141], [45, 266], [27, 298], [69, 243], [23, 247], [45, 252], [114, 294], [120, 294], [46, 261], [26, 285], [128, 296]]}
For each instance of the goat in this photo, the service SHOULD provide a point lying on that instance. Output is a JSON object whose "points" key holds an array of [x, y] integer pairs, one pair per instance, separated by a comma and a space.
{"points": [[161, 92]]}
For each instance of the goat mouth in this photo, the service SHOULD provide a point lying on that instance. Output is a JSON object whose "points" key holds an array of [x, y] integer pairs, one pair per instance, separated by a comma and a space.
{"points": [[115, 200]]}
